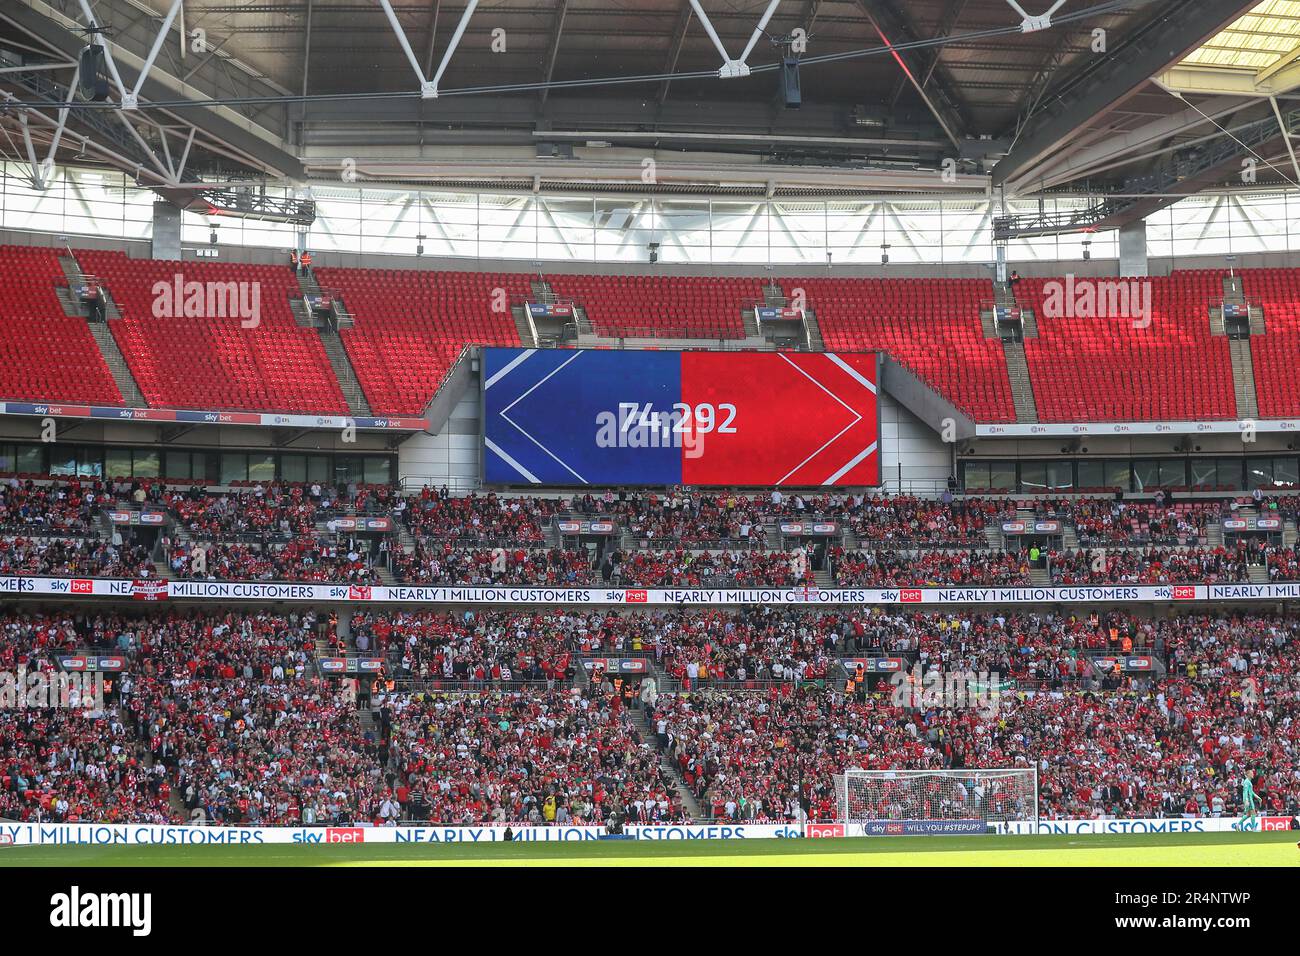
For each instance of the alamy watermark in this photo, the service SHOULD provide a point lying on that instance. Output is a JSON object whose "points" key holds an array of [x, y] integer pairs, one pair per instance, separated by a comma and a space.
{"points": [[1085, 298], [637, 426], [180, 299], [946, 690], [25, 689]]}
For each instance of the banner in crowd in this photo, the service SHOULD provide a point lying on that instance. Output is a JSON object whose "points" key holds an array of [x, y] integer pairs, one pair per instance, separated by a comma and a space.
{"points": [[204, 417], [128, 834], [1081, 429], [681, 597], [1151, 825], [774, 313]]}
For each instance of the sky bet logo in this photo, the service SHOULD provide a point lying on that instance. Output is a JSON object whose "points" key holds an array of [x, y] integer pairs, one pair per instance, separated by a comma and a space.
{"points": [[637, 597], [910, 596], [345, 835], [1185, 592], [825, 829]]}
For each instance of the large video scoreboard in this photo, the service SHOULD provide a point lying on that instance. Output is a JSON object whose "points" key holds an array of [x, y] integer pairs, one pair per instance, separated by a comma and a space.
{"points": [[618, 417]]}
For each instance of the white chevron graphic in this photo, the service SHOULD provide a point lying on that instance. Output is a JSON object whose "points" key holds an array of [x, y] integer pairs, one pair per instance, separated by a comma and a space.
{"points": [[857, 417], [502, 374]]}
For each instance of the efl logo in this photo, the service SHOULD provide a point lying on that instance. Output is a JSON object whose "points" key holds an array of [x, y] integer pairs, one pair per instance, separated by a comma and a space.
{"points": [[82, 586], [1185, 592], [6, 839], [910, 596], [345, 835], [825, 829], [358, 592], [637, 597]]}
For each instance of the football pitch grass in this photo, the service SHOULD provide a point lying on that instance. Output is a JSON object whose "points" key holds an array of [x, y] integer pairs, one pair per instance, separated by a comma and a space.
{"points": [[1143, 850]]}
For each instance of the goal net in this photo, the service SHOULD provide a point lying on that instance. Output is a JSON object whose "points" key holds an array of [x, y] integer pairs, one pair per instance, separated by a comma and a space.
{"points": [[937, 801]]}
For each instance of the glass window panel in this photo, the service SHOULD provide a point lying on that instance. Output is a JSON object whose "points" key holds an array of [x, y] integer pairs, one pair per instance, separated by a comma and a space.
{"points": [[1259, 472], [1173, 472], [31, 459], [261, 467], [1205, 471], [1060, 475], [1092, 474], [1033, 475], [293, 467], [976, 474], [1286, 472], [377, 471], [1146, 474], [180, 464], [146, 463], [234, 467], [117, 462], [1002, 474]]}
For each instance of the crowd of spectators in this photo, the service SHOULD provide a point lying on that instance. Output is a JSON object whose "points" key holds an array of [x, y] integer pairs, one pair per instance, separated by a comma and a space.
{"points": [[441, 562], [305, 558], [67, 507], [679, 568], [887, 568], [559, 757], [247, 733], [73, 557], [221, 717], [1160, 747], [1102, 521], [482, 518], [1150, 566]]}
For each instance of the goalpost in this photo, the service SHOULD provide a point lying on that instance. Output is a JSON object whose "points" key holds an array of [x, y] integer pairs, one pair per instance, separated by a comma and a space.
{"points": [[937, 801]]}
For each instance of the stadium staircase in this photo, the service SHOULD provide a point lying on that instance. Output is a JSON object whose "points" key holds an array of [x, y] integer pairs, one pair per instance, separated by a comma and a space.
{"points": [[527, 335], [1239, 348], [1022, 388], [646, 730], [332, 342], [132, 397]]}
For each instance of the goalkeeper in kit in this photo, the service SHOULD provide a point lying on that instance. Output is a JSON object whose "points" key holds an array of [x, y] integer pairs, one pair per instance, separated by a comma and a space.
{"points": [[1249, 802]]}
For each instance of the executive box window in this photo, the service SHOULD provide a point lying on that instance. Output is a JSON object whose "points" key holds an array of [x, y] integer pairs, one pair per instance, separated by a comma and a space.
{"points": [[23, 459], [1046, 476], [1159, 473], [76, 461], [1216, 472], [1266, 472], [983, 475]]}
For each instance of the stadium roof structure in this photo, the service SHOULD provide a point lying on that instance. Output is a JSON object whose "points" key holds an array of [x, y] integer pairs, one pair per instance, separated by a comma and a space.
{"points": [[1134, 101]]}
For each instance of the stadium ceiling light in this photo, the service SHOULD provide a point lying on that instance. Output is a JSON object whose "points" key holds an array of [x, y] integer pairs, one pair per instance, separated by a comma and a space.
{"points": [[733, 68], [1030, 23], [130, 99], [428, 87]]}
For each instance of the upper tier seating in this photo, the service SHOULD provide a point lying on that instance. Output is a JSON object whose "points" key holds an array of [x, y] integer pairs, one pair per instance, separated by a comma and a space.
{"points": [[1118, 369], [411, 325], [182, 361], [44, 354], [930, 325], [1274, 353], [673, 306]]}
